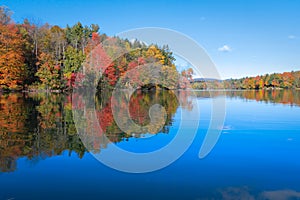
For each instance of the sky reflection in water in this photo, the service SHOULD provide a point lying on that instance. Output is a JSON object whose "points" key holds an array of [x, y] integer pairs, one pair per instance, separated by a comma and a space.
{"points": [[256, 157]]}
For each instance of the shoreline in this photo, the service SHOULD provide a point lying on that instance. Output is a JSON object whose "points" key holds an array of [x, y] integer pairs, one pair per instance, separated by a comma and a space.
{"points": [[189, 89]]}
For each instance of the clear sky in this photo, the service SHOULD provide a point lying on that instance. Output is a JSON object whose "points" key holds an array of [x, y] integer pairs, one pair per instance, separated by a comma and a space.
{"points": [[242, 37]]}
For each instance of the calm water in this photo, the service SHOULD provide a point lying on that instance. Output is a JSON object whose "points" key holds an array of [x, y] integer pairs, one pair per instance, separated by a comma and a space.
{"points": [[256, 157]]}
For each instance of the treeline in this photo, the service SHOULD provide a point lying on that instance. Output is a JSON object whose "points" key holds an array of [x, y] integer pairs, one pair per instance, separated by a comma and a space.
{"points": [[40, 54], [45, 57], [286, 80]]}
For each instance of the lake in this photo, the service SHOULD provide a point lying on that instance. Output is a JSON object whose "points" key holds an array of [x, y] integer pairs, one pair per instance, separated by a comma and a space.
{"points": [[257, 155]]}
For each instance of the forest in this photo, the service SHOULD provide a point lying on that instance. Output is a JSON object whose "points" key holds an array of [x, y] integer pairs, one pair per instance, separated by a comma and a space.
{"points": [[37, 56]]}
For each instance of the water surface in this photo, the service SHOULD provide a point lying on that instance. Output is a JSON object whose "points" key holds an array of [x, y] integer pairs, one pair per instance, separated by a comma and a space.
{"points": [[256, 157]]}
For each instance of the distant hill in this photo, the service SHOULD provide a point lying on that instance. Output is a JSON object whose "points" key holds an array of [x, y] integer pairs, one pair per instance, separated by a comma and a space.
{"points": [[285, 80], [205, 80]]}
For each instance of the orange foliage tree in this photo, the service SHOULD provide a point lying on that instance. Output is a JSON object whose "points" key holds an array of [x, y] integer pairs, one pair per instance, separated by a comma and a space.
{"points": [[13, 71]]}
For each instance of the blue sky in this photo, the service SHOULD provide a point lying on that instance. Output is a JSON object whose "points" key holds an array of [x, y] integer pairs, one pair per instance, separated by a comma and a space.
{"points": [[242, 37]]}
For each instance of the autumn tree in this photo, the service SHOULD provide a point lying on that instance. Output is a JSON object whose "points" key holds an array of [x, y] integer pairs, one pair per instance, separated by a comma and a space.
{"points": [[13, 71], [49, 72]]}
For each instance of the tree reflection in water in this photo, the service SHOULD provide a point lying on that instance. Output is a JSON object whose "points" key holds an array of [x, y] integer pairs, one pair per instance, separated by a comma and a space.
{"points": [[39, 125]]}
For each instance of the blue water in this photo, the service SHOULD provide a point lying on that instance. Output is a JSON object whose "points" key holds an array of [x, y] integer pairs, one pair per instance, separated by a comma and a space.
{"points": [[257, 156]]}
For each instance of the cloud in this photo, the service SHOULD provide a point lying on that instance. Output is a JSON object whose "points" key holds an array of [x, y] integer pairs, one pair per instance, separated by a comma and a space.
{"points": [[291, 37], [225, 48]]}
